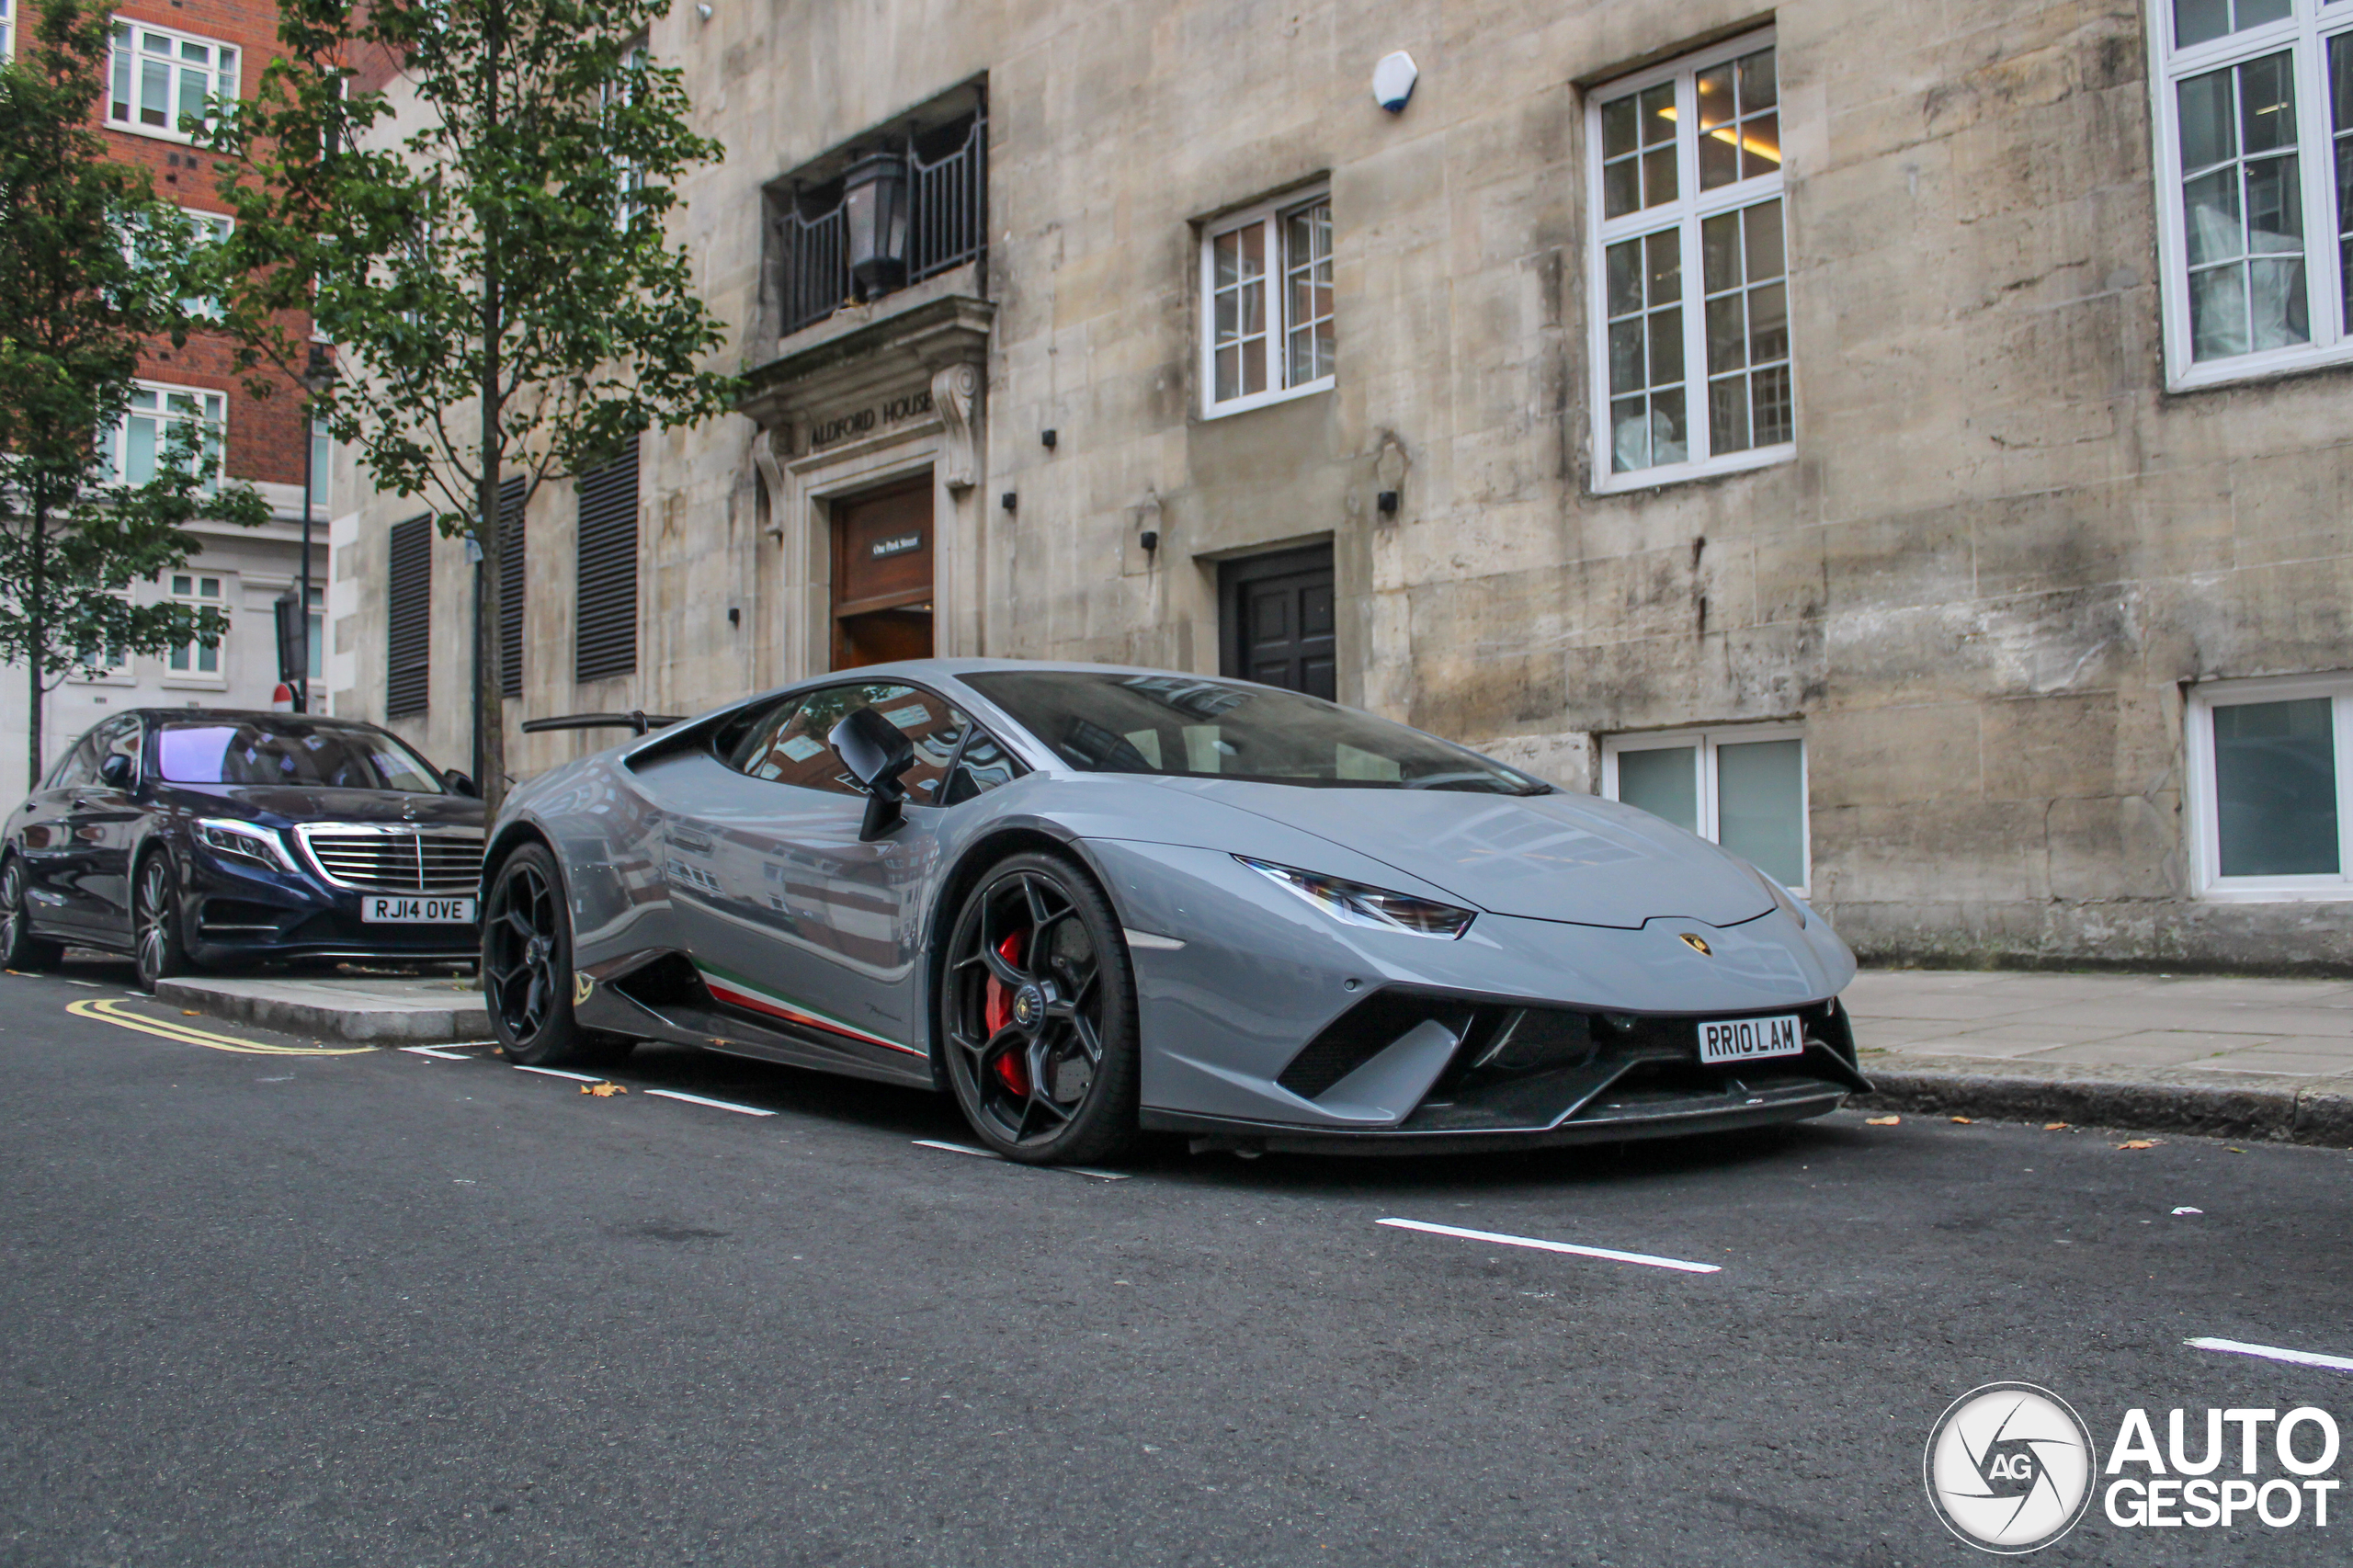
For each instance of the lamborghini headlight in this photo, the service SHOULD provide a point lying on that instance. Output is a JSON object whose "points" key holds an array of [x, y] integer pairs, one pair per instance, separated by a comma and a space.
{"points": [[243, 841], [1358, 904]]}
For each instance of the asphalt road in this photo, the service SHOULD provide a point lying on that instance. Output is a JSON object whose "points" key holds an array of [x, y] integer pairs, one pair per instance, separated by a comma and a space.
{"points": [[387, 1309]]}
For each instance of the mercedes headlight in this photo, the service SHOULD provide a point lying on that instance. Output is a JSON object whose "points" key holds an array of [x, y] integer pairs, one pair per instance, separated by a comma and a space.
{"points": [[243, 841], [1357, 904]]}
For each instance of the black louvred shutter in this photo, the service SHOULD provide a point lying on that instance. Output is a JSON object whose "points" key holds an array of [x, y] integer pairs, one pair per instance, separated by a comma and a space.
{"points": [[605, 642], [408, 651], [510, 587]]}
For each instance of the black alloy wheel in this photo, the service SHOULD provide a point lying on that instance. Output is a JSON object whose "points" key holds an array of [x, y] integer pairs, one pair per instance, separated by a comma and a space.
{"points": [[155, 923], [527, 967], [1040, 1014], [19, 949]]}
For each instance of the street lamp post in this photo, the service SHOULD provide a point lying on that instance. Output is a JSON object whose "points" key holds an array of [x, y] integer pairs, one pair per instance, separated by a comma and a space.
{"points": [[317, 378]]}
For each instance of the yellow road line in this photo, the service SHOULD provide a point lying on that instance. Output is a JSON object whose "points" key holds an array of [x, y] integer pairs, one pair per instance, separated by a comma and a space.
{"points": [[113, 1012]]}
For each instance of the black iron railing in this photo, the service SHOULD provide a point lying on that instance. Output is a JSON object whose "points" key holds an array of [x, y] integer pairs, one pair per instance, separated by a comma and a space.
{"points": [[949, 222], [948, 225], [816, 280]]}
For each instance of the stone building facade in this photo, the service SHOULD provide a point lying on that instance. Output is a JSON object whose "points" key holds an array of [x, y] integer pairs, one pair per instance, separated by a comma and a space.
{"points": [[1907, 444]]}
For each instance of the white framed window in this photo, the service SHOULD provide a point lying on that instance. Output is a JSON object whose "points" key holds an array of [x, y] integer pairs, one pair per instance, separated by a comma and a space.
{"points": [[155, 418], [322, 465], [318, 642], [1267, 323], [103, 665], [210, 229], [196, 662], [2267, 789], [1688, 272], [161, 79], [2254, 109], [1742, 786], [7, 29], [635, 57]]}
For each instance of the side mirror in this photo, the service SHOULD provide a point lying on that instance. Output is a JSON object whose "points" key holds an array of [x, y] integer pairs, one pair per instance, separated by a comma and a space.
{"points": [[117, 771], [876, 752], [457, 783]]}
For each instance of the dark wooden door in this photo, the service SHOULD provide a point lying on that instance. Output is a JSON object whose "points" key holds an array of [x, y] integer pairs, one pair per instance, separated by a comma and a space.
{"points": [[1277, 612], [882, 575]]}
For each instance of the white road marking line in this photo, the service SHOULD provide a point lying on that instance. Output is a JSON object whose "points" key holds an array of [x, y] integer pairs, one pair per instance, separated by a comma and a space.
{"points": [[1614, 1256], [715, 1105], [96, 987], [439, 1051], [558, 1073], [2273, 1353], [993, 1154]]}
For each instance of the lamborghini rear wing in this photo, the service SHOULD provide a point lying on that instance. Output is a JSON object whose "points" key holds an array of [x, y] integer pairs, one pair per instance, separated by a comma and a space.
{"points": [[637, 719]]}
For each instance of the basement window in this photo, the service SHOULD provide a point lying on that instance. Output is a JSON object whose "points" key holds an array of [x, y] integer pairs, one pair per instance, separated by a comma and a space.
{"points": [[1743, 786], [2269, 765]]}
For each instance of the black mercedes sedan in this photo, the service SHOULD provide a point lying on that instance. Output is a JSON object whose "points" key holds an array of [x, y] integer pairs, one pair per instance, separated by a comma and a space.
{"points": [[199, 838]]}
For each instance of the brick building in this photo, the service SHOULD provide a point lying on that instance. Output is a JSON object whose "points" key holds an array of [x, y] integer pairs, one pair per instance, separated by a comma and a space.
{"points": [[1906, 444], [169, 55]]}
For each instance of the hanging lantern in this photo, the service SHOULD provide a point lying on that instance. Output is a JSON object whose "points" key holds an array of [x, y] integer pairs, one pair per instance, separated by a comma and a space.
{"points": [[874, 202]]}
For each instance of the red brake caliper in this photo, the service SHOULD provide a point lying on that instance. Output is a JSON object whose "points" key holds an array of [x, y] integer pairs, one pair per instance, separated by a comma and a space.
{"points": [[996, 1011]]}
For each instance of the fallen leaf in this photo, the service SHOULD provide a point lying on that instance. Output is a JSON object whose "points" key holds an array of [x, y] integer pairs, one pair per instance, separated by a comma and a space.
{"points": [[2234, 1151], [2054, 1127], [2138, 1143], [1965, 1122], [187, 1012], [1882, 1121], [603, 1091]]}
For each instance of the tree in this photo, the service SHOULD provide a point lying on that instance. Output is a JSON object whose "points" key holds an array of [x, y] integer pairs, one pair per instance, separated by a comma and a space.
{"points": [[94, 267], [492, 268]]}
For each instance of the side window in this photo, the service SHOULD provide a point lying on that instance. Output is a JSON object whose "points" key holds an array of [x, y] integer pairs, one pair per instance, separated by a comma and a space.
{"points": [[745, 743], [794, 750], [983, 766], [80, 766], [118, 737]]}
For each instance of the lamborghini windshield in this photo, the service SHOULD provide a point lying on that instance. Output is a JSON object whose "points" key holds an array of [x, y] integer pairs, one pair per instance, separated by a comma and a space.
{"points": [[1181, 727]]}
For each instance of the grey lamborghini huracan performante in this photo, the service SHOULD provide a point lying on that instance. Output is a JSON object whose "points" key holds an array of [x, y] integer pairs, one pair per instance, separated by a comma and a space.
{"points": [[1087, 901]]}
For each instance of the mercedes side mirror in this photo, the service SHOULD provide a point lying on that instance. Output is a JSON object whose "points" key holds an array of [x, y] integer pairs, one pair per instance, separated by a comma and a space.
{"points": [[457, 783], [117, 771], [876, 752]]}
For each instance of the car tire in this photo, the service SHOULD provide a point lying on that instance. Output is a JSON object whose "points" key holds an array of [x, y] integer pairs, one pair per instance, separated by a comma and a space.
{"points": [[526, 968], [19, 948], [1037, 1011], [156, 938]]}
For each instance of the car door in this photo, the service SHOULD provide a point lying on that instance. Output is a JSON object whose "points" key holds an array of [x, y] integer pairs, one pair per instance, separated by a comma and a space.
{"points": [[789, 915], [55, 861], [103, 820]]}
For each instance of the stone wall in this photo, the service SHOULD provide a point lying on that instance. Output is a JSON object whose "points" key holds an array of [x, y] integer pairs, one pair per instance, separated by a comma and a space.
{"points": [[2001, 551]]}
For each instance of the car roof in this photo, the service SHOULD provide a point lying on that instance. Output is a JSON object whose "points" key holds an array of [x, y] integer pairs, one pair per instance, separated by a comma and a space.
{"points": [[242, 714]]}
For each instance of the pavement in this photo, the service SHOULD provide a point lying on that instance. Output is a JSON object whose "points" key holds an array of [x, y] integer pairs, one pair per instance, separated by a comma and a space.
{"points": [[273, 1302], [2241, 1058], [403, 1010], [2232, 1057]]}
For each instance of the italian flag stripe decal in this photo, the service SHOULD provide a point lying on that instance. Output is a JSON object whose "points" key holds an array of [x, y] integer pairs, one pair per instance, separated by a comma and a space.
{"points": [[738, 992]]}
